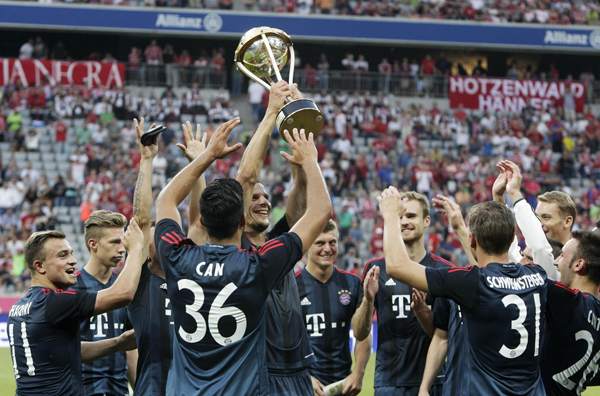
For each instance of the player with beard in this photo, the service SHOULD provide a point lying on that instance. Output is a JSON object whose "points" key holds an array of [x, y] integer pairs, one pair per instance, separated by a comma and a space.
{"points": [[104, 232], [403, 337], [329, 298], [289, 351], [150, 310]]}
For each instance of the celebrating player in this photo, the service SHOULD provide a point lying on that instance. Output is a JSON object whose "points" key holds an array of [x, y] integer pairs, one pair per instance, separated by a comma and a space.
{"points": [[402, 341], [289, 350], [557, 212], [502, 303], [43, 326], [218, 291], [571, 347], [104, 232], [329, 298]]}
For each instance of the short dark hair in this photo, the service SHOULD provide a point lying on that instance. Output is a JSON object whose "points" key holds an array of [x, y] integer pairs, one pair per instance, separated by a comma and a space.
{"points": [[222, 207], [34, 247], [330, 226], [588, 249], [493, 225], [556, 247]]}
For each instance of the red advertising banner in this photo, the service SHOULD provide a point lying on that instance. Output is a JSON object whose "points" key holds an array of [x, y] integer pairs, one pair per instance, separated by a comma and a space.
{"points": [[90, 73], [505, 95]]}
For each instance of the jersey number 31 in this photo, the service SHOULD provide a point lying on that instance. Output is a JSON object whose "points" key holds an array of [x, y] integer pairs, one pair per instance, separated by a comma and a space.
{"points": [[217, 311]]}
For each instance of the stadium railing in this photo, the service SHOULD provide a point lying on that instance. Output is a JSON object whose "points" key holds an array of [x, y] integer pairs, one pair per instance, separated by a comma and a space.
{"points": [[175, 75]]}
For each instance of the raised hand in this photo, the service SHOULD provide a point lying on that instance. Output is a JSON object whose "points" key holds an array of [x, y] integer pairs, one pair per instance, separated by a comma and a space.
{"points": [[303, 148], [514, 178], [279, 91], [499, 187], [134, 237], [217, 147], [296, 92], [446, 206], [193, 147], [390, 202], [148, 152], [418, 300], [371, 283]]}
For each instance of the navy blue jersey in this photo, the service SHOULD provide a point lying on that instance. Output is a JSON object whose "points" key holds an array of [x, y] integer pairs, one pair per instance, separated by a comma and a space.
{"points": [[43, 330], [218, 297], [106, 375], [447, 317], [150, 314], [288, 345], [328, 308], [503, 308], [571, 347], [401, 342]]}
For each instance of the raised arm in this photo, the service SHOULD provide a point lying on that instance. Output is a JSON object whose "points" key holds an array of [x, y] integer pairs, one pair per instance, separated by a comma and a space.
{"points": [[296, 205], [179, 187], [254, 155], [362, 353], [192, 149], [92, 351], [362, 320], [121, 293], [529, 224], [319, 209], [436, 356], [397, 262], [498, 190], [445, 206], [142, 196]]}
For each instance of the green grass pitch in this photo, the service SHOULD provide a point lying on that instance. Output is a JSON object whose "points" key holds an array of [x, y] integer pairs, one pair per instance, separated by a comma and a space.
{"points": [[7, 380]]}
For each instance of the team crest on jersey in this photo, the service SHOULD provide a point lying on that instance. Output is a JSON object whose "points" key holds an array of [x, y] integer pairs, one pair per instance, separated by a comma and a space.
{"points": [[345, 296]]}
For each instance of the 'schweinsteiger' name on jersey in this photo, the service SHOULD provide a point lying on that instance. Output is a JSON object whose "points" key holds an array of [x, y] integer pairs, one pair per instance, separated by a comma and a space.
{"points": [[520, 283]]}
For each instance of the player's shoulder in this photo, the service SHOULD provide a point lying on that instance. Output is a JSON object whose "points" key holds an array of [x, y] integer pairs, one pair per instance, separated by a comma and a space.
{"points": [[437, 261], [298, 272], [377, 261], [349, 275], [561, 287]]}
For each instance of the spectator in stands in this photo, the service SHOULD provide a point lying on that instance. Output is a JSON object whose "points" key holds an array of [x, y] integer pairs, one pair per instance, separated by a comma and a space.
{"points": [[40, 50], [26, 50], [569, 104], [154, 59]]}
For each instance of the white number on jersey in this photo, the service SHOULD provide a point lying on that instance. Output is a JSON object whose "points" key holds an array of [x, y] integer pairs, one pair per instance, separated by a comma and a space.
{"points": [[563, 377], [518, 325], [26, 348], [217, 311]]}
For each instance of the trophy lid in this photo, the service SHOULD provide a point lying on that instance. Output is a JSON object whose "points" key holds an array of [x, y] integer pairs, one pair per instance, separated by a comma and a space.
{"points": [[252, 52]]}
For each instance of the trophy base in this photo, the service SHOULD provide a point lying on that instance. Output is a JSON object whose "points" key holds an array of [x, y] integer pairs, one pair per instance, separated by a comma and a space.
{"points": [[300, 114]]}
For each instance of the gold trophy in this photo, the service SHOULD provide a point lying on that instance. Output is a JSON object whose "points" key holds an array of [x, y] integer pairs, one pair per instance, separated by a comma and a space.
{"points": [[262, 53]]}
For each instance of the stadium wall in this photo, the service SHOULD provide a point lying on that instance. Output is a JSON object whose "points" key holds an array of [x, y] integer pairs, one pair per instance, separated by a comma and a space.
{"points": [[223, 24]]}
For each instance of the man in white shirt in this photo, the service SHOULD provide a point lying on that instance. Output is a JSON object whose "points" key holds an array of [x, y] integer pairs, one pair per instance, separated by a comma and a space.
{"points": [[255, 92], [26, 51]]}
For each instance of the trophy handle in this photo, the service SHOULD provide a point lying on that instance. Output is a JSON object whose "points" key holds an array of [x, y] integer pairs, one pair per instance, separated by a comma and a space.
{"points": [[273, 61], [292, 63], [247, 72]]}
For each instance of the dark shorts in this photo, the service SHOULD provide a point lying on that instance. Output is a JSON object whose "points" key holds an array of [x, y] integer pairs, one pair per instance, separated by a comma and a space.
{"points": [[436, 390], [295, 384]]}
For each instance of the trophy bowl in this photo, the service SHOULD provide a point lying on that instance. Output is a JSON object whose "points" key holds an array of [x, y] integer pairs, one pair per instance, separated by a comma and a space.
{"points": [[262, 53]]}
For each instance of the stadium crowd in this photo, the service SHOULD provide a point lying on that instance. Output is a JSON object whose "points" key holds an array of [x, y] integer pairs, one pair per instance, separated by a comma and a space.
{"points": [[498, 11], [369, 142]]}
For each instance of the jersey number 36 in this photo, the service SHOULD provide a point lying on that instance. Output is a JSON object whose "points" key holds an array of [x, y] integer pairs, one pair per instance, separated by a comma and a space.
{"points": [[217, 311]]}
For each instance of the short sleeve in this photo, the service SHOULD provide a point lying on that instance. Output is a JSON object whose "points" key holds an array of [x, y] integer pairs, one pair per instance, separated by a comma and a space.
{"points": [[278, 256], [169, 240], [455, 283], [561, 303], [72, 304], [280, 228], [441, 313]]}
